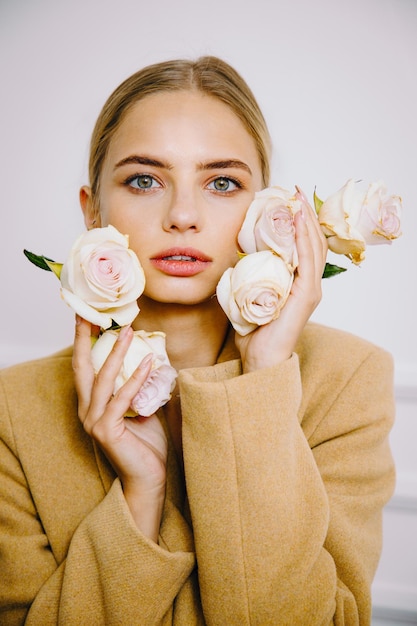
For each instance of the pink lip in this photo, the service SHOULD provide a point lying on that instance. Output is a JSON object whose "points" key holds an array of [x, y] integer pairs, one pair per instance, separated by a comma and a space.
{"points": [[181, 261]]}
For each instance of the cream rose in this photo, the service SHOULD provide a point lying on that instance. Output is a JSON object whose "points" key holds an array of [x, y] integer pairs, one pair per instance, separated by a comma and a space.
{"points": [[157, 389], [380, 218], [102, 278], [351, 219], [269, 223], [254, 291]]}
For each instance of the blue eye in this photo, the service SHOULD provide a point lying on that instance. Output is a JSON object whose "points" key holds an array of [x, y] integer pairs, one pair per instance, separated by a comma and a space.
{"points": [[223, 183], [142, 182]]}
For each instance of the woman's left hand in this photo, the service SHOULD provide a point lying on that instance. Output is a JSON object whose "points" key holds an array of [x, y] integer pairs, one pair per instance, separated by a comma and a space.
{"points": [[275, 342]]}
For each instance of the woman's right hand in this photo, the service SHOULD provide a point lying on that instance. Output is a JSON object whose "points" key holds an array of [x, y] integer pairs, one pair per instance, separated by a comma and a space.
{"points": [[136, 447]]}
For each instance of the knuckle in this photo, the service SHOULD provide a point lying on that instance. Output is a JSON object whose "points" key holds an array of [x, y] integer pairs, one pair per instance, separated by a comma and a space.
{"points": [[104, 378], [86, 422], [97, 430]]}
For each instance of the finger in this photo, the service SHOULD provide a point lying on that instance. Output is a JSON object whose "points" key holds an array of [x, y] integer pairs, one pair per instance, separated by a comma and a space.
{"points": [[103, 387], [109, 421], [93, 391], [105, 403], [308, 282], [311, 243], [304, 245], [311, 217], [81, 363], [132, 386]]}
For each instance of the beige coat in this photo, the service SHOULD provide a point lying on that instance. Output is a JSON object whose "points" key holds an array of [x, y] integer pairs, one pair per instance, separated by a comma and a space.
{"points": [[287, 470]]}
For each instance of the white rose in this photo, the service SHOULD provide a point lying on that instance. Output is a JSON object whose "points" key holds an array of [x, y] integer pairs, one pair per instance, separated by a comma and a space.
{"points": [[351, 219], [157, 389], [102, 278], [254, 291], [269, 223]]}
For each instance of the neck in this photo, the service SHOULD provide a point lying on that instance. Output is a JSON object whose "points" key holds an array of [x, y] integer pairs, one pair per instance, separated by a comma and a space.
{"points": [[194, 334]]}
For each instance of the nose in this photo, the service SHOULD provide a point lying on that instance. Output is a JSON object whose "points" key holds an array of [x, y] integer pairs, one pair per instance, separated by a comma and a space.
{"points": [[183, 212]]}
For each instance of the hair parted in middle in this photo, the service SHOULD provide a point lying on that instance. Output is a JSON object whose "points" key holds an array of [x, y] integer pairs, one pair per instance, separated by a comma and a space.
{"points": [[209, 75]]}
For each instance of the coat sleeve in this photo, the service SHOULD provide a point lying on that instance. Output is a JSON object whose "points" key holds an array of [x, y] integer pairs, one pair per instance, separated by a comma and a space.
{"points": [[287, 531], [112, 573], [124, 573]]}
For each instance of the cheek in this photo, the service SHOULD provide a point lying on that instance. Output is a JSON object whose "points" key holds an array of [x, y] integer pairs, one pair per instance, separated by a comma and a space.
{"points": [[112, 208], [140, 244], [126, 222], [232, 227], [229, 247]]}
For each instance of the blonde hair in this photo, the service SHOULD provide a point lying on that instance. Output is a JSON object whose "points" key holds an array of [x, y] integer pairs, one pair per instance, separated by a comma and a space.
{"points": [[209, 75]]}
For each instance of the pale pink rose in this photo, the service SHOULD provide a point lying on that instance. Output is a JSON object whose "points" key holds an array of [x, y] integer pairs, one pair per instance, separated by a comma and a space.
{"points": [[380, 218], [155, 392], [269, 223], [352, 218], [254, 291], [157, 389], [102, 278]]}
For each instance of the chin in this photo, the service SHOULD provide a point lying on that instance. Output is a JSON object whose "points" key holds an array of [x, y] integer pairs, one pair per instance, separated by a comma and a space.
{"points": [[191, 297]]}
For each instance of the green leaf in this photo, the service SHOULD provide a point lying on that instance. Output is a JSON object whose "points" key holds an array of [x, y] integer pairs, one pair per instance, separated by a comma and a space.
{"points": [[317, 202], [332, 270], [44, 263], [39, 261]]}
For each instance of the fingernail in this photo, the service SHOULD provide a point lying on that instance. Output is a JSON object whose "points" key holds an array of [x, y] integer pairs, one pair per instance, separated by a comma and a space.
{"points": [[301, 194], [146, 360], [124, 331]]}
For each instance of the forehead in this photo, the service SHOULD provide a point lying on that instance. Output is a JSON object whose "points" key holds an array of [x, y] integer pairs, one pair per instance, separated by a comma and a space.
{"points": [[181, 103], [181, 117]]}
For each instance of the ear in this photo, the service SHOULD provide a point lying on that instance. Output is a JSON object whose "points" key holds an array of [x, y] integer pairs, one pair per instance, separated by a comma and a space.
{"points": [[91, 214]]}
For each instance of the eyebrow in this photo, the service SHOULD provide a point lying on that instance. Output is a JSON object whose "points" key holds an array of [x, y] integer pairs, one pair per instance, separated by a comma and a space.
{"points": [[141, 160], [225, 164], [209, 165]]}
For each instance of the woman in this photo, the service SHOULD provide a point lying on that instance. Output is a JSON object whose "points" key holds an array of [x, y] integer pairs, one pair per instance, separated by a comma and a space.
{"points": [[255, 495]]}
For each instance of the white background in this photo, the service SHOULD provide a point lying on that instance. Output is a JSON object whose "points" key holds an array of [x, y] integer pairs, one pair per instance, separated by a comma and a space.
{"points": [[337, 81]]}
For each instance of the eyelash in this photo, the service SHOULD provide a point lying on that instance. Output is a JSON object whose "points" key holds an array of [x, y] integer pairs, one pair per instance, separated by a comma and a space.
{"points": [[235, 181], [128, 182], [238, 184]]}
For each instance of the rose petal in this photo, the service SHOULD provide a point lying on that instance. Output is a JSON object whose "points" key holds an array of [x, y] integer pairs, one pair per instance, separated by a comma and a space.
{"points": [[255, 290], [105, 274], [84, 310], [269, 224], [156, 391]]}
